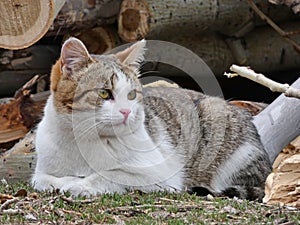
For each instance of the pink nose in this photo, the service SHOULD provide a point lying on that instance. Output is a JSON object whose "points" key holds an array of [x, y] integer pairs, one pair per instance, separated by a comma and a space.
{"points": [[125, 113]]}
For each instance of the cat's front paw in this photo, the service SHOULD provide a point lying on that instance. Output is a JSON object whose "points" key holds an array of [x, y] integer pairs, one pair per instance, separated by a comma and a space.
{"points": [[77, 189]]}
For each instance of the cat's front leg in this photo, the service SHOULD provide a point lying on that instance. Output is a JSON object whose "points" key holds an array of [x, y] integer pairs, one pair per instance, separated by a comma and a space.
{"points": [[47, 182], [80, 186], [92, 185]]}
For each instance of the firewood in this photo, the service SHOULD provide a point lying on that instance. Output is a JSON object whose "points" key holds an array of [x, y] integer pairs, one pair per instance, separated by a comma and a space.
{"points": [[80, 15], [25, 22], [18, 163], [262, 49], [98, 40], [138, 18], [282, 185], [20, 114]]}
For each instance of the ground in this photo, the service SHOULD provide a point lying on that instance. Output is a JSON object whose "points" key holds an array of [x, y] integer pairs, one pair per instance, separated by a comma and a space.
{"points": [[20, 204]]}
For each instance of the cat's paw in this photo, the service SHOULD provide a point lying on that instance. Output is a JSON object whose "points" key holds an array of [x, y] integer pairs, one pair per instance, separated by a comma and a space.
{"points": [[77, 189], [45, 183]]}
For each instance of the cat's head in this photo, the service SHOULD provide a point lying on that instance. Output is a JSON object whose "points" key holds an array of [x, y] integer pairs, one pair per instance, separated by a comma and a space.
{"points": [[99, 89]]}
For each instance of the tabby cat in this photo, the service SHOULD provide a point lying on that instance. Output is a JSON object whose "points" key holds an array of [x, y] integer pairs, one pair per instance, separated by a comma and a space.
{"points": [[102, 132]]}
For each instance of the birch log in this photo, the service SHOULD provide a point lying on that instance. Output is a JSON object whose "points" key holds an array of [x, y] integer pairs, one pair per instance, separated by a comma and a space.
{"points": [[138, 18], [24, 22], [279, 123]]}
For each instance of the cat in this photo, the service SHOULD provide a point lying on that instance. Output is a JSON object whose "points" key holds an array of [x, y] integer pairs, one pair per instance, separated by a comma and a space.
{"points": [[102, 132]]}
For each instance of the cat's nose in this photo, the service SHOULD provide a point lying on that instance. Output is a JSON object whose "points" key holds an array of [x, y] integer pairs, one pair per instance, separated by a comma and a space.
{"points": [[125, 113]]}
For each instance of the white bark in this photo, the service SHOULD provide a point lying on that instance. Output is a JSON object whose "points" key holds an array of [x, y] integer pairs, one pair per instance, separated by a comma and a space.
{"points": [[279, 123], [261, 79]]}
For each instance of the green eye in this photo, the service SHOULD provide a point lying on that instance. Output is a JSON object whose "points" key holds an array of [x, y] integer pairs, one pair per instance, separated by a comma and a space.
{"points": [[131, 95], [105, 94]]}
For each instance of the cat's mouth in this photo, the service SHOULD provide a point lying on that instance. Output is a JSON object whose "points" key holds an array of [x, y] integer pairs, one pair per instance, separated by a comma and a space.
{"points": [[124, 122]]}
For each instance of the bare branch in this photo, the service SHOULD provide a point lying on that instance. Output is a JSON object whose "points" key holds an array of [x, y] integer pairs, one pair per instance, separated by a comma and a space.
{"points": [[284, 34], [6, 204], [261, 79]]}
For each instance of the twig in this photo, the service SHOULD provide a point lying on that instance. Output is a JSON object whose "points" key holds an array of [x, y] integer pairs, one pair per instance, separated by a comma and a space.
{"points": [[71, 212], [284, 34], [170, 200], [261, 79], [118, 220], [179, 207], [6, 204], [12, 211], [71, 200]]}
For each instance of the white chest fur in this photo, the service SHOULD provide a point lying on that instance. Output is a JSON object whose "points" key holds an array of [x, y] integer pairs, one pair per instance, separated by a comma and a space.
{"points": [[131, 161]]}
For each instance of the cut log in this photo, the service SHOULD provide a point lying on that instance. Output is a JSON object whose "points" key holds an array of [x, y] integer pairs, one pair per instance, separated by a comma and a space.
{"points": [[138, 18], [99, 39], [25, 22], [79, 15], [18, 164], [279, 123]]}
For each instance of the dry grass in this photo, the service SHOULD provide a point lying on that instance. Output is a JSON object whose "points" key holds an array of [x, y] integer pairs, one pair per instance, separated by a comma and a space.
{"points": [[20, 204]]}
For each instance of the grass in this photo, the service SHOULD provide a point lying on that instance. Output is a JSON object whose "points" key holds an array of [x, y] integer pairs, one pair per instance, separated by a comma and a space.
{"points": [[20, 204]]}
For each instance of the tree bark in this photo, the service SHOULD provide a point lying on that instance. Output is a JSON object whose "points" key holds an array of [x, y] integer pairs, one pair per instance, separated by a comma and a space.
{"points": [[99, 39], [262, 49], [79, 15], [279, 123], [25, 22], [18, 163], [138, 18], [20, 114]]}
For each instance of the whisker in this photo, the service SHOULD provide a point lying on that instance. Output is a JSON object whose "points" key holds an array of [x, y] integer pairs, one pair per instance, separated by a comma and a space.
{"points": [[84, 127], [146, 72]]}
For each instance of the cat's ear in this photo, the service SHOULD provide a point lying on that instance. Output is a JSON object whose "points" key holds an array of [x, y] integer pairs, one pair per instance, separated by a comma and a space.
{"points": [[74, 56], [133, 55]]}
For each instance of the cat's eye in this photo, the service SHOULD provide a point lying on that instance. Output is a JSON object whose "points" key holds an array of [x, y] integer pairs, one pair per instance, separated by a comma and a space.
{"points": [[105, 94], [131, 95]]}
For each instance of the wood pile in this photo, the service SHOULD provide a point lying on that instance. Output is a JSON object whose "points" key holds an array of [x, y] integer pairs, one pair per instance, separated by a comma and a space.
{"points": [[222, 33], [283, 184]]}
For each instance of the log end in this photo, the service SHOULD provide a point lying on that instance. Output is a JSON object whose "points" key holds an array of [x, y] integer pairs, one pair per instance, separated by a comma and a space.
{"points": [[24, 22], [134, 20], [106, 39]]}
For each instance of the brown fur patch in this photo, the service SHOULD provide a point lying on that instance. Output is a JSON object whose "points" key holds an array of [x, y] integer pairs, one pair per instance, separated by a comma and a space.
{"points": [[55, 75]]}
